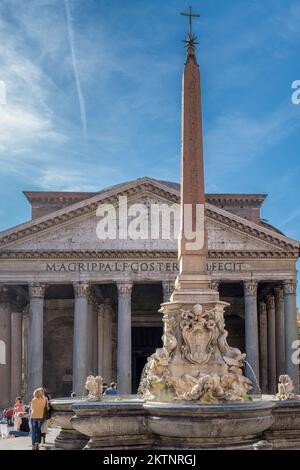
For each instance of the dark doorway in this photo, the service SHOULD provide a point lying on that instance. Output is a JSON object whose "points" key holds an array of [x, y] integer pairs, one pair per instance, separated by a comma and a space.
{"points": [[66, 389], [144, 342]]}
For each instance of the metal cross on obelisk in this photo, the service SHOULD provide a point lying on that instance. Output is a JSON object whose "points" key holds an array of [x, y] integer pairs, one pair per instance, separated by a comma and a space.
{"points": [[191, 15]]}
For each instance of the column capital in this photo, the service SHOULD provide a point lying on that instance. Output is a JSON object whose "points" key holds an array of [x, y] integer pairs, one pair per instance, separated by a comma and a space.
{"points": [[250, 288], [262, 308], [36, 290], [105, 309], [270, 301], [124, 288], [168, 287], [214, 285], [19, 304], [4, 294], [26, 310], [279, 294], [92, 299], [81, 289], [289, 286]]}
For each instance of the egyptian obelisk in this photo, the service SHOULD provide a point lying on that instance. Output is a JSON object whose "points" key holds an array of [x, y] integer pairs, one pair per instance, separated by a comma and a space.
{"points": [[193, 280], [195, 363]]}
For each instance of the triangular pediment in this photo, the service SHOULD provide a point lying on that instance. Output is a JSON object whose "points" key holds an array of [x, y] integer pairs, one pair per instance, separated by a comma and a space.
{"points": [[74, 227]]}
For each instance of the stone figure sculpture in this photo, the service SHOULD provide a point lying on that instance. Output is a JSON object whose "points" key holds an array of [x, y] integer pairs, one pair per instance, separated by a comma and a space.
{"points": [[286, 390], [195, 363], [94, 387]]}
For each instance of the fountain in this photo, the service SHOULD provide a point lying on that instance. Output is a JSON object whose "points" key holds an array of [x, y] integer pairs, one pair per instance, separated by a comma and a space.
{"points": [[193, 393]]}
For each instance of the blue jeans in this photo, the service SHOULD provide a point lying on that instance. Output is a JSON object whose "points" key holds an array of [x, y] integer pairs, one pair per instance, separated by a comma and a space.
{"points": [[9, 421], [18, 433], [36, 425]]}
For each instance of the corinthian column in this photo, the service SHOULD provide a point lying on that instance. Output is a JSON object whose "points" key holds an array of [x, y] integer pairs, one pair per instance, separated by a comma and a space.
{"points": [[92, 331], [251, 329], [271, 343], [5, 347], [35, 337], [16, 353], [80, 342], [279, 320], [105, 313], [291, 334], [263, 340], [124, 337], [100, 325]]}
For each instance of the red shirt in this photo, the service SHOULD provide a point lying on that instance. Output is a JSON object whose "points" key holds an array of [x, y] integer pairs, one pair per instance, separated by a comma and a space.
{"points": [[19, 408]]}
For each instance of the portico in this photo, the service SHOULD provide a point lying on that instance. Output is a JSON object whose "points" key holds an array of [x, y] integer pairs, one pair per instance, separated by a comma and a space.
{"points": [[112, 342], [73, 305]]}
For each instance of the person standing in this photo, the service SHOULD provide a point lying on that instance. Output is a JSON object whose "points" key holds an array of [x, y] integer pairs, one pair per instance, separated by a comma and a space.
{"points": [[38, 407], [8, 414], [18, 408], [112, 389]]}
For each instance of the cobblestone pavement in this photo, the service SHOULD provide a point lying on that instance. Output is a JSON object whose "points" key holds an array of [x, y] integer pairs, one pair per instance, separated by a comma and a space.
{"points": [[24, 443]]}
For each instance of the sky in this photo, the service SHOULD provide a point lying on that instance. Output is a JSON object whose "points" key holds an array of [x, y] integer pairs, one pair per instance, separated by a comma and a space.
{"points": [[93, 98]]}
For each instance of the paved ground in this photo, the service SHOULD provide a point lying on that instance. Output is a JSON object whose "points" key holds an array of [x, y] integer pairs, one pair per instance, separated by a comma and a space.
{"points": [[24, 443]]}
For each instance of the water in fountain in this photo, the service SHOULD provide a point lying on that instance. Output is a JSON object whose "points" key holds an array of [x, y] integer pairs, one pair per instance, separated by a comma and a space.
{"points": [[256, 391]]}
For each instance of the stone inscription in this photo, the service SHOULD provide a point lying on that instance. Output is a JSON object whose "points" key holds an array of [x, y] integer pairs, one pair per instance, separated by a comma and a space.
{"points": [[137, 266]]}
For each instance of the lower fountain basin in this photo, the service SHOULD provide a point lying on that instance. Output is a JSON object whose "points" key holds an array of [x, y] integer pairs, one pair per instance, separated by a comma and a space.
{"points": [[285, 430], [200, 426], [68, 438], [112, 424]]}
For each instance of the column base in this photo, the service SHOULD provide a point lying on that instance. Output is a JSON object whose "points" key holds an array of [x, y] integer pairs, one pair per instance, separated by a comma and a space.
{"points": [[70, 439], [120, 443]]}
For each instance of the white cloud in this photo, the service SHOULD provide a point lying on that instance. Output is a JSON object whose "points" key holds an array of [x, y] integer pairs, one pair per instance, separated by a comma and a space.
{"points": [[20, 128], [27, 117], [75, 68], [84, 177], [64, 179]]}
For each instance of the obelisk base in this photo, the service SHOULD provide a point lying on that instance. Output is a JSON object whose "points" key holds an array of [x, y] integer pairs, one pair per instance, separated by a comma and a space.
{"points": [[194, 288], [195, 363]]}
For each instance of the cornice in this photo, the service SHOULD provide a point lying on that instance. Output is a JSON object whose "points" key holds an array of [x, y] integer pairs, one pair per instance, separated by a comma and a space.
{"points": [[238, 223], [143, 254], [44, 197], [253, 200]]}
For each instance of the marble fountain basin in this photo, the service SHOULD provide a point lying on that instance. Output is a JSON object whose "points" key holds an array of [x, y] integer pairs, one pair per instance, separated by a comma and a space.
{"points": [[285, 431], [211, 426], [68, 438], [129, 422], [116, 424]]}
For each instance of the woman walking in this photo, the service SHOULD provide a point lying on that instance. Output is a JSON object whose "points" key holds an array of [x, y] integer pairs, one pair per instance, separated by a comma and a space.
{"points": [[38, 406]]}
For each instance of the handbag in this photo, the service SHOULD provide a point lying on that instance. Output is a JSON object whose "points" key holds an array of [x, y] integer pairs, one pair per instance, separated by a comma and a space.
{"points": [[47, 411]]}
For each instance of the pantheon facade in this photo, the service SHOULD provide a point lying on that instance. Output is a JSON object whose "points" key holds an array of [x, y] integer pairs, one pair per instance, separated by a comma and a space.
{"points": [[72, 304]]}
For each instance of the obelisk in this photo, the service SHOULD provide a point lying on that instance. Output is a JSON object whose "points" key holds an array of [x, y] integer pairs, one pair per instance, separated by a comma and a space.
{"points": [[195, 362], [193, 280]]}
